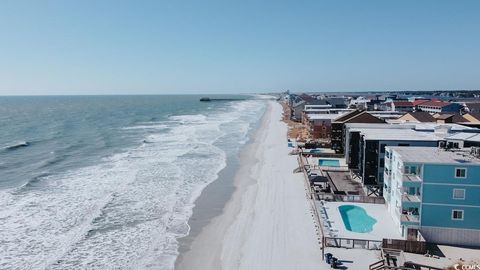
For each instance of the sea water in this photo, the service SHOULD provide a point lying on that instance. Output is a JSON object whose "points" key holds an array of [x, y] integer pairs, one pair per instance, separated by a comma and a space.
{"points": [[109, 182]]}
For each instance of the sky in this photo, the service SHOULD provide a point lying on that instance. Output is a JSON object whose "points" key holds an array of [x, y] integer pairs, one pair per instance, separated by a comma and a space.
{"points": [[187, 47]]}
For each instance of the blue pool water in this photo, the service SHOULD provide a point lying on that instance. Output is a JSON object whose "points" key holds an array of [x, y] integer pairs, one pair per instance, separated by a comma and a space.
{"points": [[356, 219], [329, 162]]}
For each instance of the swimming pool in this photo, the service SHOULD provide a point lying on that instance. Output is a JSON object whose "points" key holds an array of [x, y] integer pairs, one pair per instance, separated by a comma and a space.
{"points": [[329, 162], [356, 219]]}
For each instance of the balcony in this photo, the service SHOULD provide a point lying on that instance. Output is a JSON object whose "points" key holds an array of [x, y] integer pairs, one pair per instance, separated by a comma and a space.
{"points": [[411, 180], [407, 219], [410, 198], [410, 201]]}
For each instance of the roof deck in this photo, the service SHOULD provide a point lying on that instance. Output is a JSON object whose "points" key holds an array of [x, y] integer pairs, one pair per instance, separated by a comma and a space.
{"points": [[442, 156]]}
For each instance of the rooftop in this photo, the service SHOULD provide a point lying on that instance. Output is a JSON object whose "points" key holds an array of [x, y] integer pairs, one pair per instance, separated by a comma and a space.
{"points": [[456, 118], [349, 115], [465, 136], [325, 116], [421, 116], [403, 104], [419, 101], [397, 134], [409, 132], [434, 155], [434, 104], [327, 110], [475, 115], [430, 127]]}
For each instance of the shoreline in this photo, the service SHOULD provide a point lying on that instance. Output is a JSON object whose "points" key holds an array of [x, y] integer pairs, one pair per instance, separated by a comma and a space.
{"points": [[265, 223], [208, 207]]}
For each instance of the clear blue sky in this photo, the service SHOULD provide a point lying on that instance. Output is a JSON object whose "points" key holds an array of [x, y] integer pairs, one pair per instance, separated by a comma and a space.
{"points": [[157, 47]]}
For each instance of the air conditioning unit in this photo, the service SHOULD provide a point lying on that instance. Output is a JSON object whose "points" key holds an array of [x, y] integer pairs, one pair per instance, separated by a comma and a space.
{"points": [[475, 151], [442, 144]]}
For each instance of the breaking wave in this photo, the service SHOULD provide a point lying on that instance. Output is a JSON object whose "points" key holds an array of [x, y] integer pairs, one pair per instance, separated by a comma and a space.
{"points": [[17, 145], [128, 210]]}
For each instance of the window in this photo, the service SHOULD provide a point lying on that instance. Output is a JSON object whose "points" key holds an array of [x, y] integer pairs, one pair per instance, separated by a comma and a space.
{"points": [[460, 172], [382, 162], [382, 148], [458, 194], [413, 169], [457, 214], [410, 169]]}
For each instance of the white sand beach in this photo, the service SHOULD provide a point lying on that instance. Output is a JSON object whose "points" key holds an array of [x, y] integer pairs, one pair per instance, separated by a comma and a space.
{"points": [[266, 224]]}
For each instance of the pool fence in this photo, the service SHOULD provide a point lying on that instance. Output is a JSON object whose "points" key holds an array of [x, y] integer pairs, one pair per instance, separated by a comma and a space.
{"points": [[349, 198], [340, 242], [411, 246]]}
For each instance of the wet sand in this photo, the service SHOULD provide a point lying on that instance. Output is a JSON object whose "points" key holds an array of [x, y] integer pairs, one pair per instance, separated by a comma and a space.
{"points": [[261, 219]]}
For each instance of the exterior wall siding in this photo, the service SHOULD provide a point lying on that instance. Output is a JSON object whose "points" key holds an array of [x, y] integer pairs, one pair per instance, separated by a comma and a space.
{"points": [[437, 202], [441, 216], [443, 194], [445, 174], [451, 236]]}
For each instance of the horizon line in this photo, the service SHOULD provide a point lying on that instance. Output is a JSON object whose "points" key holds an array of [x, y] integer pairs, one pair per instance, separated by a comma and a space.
{"points": [[241, 93]]}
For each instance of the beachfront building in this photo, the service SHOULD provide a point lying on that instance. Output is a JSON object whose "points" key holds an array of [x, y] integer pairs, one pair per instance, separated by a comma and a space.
{"points": [[324, 109], [338, 125], [434, 192], [319, 125], [298, 103], [365, 146]]}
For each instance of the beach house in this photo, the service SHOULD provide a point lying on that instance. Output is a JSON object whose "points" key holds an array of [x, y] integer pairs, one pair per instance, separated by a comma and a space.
{"points": [[434, 193], [417, 117]]}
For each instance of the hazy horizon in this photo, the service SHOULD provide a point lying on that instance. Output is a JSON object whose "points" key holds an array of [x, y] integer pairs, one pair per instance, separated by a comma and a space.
{"points": [[214, 47], [239, 93]]}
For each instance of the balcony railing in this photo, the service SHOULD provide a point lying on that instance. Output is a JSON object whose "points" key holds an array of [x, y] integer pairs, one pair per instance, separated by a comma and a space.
{"points": [[410, 198], [411, 178], [410, 219]]}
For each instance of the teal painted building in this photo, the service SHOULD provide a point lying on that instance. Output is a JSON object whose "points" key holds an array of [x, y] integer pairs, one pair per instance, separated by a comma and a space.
{"points": [[434, 193]]}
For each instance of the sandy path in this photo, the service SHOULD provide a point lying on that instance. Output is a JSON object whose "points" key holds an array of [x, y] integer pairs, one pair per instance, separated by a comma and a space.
{"points": [[266, 224]]}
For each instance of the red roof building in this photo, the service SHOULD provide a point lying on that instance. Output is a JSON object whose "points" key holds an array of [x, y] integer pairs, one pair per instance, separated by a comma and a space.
{"points": [[439, 107]]}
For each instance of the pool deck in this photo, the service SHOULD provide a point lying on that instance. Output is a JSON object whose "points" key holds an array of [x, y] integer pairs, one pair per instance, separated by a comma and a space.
{"points": [[342, 181], [315, 161], [384, 228]]}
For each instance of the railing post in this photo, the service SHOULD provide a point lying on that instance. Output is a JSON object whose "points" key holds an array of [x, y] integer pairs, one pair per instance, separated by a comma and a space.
{"points": [[323, 246]]}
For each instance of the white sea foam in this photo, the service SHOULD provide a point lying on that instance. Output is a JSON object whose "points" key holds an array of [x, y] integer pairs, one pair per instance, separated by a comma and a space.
{"points": [[152, 126], [129, 209]]}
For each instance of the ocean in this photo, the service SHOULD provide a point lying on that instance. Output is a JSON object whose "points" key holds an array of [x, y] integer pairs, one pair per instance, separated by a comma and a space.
{"points": [[109, 182]]}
